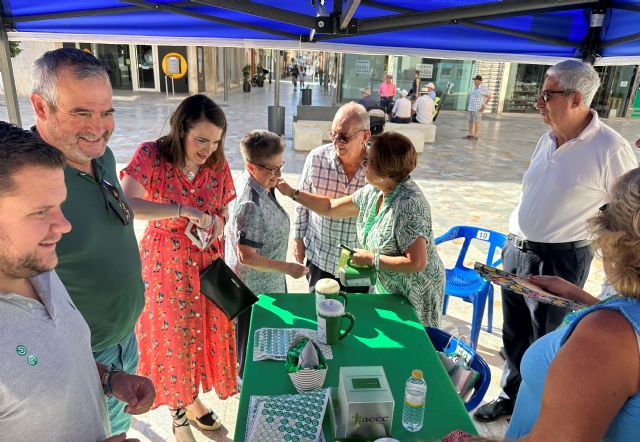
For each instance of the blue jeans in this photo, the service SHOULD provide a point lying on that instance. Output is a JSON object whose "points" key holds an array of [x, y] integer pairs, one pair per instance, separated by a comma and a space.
{"points": [[124, 356]]}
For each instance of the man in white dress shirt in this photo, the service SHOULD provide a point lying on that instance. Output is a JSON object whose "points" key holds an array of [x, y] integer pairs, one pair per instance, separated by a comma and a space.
{"points": [[572, 170]]}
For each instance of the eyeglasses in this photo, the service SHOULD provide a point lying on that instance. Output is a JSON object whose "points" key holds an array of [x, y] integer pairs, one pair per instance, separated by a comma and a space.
{"points": [[274, 170], [342, 138], [125, 213], [547, 94]]}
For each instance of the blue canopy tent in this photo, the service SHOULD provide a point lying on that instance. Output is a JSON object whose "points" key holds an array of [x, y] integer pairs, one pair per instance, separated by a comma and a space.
{"points": [[545, 31]]}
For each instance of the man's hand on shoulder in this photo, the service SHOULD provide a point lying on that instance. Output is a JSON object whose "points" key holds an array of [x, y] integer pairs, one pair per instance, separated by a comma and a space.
{"points": [[136, 391]]}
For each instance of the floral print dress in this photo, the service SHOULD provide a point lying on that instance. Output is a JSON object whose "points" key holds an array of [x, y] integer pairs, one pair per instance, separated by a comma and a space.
{"points": [[185, 341], [398, 224]]}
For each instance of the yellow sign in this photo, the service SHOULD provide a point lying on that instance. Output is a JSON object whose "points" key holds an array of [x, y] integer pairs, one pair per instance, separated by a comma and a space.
{"points": [[174, 65]]}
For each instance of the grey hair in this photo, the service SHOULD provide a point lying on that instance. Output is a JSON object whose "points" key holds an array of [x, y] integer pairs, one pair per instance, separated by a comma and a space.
{"points": [[45, 69], [576, 76], [259, 145], [353, 109]]}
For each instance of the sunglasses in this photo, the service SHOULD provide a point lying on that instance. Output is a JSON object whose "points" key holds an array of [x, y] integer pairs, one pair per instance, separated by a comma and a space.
{"points": [[547, 94], [343, 138], [274, 170], [124, 213]]}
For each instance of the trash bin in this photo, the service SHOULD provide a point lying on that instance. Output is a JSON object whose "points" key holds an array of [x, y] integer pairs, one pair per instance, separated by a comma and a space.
{"points": [[306, 97], [275, 117]]}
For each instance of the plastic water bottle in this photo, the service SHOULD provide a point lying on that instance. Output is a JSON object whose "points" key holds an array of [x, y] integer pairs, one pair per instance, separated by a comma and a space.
{"points": [[415, 392]]}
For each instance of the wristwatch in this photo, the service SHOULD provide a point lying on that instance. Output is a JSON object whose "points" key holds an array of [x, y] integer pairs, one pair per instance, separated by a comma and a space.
{"points": [[295, 194], [106, 379]]}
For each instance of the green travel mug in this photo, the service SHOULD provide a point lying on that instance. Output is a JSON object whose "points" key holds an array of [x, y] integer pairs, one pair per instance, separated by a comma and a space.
{"points": [[330, 315], [327, 288]]}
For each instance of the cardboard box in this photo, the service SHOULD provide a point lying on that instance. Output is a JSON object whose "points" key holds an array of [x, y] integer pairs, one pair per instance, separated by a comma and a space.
{"points": [[365, 403]]}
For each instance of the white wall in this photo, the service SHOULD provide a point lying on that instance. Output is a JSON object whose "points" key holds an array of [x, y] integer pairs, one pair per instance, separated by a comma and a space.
{"points": [[31, 50]]}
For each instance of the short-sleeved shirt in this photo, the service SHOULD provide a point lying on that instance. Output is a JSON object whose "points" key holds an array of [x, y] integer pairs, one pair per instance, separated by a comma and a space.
{"points": [[424, 107], [99, 262], [49, 383], [477, 97], [402, 108], [257, 220], [399, 225], [387, 90], [323, 175]]}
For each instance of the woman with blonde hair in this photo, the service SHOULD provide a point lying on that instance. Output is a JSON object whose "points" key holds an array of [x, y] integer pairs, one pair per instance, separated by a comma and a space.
{"points": [[582, 381]]}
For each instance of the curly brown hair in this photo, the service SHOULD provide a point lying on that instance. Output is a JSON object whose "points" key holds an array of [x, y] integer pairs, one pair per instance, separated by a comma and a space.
{"points": [[616, 234]]}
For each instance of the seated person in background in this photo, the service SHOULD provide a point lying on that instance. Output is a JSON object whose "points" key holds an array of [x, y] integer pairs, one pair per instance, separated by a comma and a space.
{"points": [[393, 225], [367, 100], [401, 112], [424, 106], [432, 90], [255, 249], [590, 365], [51, 386]]}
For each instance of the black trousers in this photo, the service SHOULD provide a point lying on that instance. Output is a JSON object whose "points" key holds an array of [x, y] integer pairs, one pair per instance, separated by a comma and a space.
{"points": [[401, 120], [316, 273], [525, 320], [386, 104]]}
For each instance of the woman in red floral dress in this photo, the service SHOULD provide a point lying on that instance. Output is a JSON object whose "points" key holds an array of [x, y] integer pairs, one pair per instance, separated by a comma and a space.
{"points": [[185, 341]]}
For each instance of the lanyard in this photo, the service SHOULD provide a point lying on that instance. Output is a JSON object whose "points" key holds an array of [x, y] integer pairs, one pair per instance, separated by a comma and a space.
{"points": [[373, 218]]}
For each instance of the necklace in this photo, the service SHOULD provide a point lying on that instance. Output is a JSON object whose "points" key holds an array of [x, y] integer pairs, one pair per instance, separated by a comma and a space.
{"points": [[190, 174]]}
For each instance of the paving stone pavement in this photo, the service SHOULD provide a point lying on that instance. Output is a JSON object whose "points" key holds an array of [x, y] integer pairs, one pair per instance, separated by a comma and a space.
{"points": [[466, 183]]}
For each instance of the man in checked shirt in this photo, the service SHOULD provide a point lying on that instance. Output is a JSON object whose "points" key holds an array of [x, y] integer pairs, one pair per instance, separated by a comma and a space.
{"points": [[332, 170]]}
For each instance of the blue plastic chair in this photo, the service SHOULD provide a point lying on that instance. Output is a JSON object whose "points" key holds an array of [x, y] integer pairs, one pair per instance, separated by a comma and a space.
{"points": [[440, 339], [465, 283]]}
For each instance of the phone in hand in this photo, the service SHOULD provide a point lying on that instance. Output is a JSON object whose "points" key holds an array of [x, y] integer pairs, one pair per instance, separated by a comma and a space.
{"points": [[347, 248]]}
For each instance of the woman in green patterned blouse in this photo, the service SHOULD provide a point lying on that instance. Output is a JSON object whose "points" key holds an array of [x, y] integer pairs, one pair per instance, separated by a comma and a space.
{"points": [[394, 225]]}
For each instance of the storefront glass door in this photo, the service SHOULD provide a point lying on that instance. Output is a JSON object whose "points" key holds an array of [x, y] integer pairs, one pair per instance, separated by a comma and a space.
{"points": [[146, 67]]}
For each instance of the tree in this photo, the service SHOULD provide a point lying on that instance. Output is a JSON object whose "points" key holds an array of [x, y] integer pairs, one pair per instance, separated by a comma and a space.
{"points": [[14, 48]]}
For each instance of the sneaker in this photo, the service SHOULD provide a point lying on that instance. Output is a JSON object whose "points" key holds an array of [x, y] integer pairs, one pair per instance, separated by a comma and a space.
{"points": [[494, 410]]}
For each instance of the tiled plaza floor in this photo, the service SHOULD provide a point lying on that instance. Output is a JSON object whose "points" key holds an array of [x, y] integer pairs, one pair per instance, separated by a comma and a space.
{"points": [[468, 183]]}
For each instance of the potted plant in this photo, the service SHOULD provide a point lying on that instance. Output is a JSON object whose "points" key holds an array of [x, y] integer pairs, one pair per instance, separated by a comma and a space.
{"points": [[246, 73]]}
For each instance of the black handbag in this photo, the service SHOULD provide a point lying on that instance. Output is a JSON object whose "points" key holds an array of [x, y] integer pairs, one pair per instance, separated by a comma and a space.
{"points": [[222, 286]]}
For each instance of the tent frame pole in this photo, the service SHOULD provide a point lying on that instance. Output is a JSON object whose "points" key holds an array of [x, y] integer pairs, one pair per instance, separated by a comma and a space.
{"points": [[8, 80]]}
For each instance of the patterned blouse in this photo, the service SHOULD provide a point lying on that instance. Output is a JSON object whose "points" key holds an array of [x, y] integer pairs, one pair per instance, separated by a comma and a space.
{"points": [[257, 220], [398, 226]]}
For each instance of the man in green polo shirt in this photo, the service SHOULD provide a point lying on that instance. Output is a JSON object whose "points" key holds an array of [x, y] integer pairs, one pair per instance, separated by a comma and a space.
{"points": [[99, 262]]}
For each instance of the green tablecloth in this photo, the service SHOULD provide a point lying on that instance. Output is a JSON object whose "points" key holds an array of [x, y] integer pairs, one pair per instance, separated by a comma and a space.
{"points": [[387, 332]]}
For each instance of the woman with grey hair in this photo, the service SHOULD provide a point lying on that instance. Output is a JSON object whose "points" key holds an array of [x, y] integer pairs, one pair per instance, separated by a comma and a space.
{"points": [[258, 226]]}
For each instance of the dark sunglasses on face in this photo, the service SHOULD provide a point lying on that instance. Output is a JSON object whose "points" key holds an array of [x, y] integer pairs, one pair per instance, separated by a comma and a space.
{"points": [[343, 138], [125, 213], [546, 94]]}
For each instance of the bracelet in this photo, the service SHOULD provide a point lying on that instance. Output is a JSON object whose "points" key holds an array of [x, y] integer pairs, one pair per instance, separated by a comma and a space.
{"points": [[106, 379], [295, 194], [179, 209], [376, 260]]}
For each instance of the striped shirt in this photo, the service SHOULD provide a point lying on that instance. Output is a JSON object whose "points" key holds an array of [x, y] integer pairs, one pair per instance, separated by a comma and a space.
{"points": [[323, 175]]}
